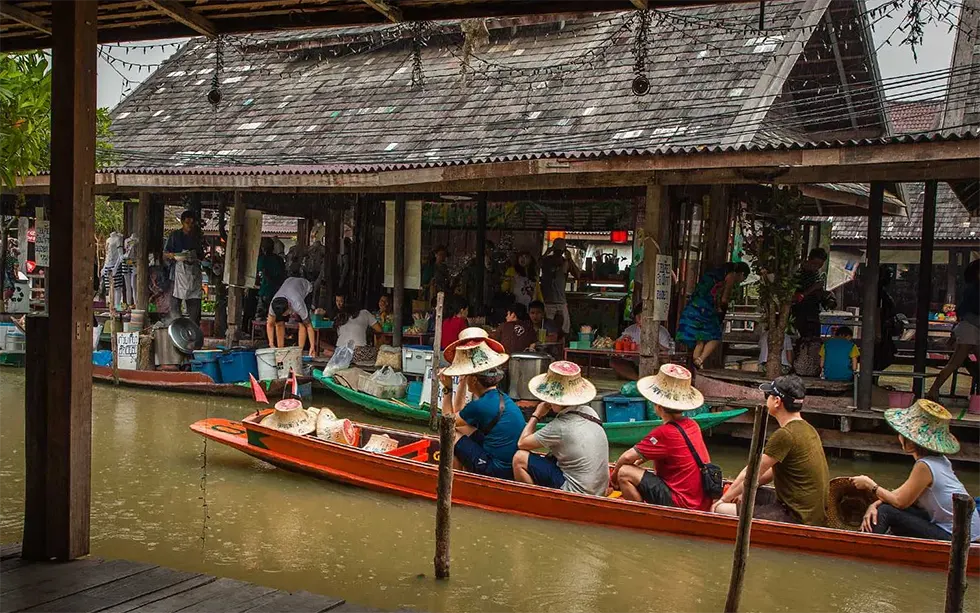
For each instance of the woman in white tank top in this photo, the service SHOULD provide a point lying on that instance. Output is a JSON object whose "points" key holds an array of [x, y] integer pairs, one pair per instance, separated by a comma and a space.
{"points": [[922, 507]]}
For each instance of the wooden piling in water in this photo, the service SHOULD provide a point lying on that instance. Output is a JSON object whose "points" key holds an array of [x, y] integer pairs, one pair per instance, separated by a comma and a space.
{"points": [[444, 493], [436, 344], [748, 506], [959, 549]]}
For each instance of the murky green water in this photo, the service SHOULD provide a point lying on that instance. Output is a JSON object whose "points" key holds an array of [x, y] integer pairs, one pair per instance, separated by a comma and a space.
{"points": [[152, 478]]}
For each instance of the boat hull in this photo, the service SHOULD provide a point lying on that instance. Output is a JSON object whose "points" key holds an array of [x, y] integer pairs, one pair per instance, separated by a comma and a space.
{"points": [[349, 464], [183, 381]]}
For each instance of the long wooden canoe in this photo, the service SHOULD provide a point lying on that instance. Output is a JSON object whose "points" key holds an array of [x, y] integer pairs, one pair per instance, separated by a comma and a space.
{"points": [[185, 381], [619, 433], [411, 470]]}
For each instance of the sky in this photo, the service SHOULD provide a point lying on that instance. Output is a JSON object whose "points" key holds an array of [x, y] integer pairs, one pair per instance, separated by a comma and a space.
{"points": [[894, 60]]}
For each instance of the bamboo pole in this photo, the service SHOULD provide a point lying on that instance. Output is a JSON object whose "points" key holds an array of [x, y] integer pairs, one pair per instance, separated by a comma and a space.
{"points": [[114, 342], [748, 506], [4, 233], [444, 493], [959, 549], [436, 344]]}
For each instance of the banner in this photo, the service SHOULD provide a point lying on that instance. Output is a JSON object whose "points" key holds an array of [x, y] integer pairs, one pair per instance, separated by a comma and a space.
{"points": [[662, 287]]}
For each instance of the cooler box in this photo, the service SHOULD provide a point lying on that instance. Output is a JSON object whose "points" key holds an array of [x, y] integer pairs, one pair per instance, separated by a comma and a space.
{"points": [[414, 394], [103, 357], [210, 368], [236, 366], [624, 409], [416, 358]]}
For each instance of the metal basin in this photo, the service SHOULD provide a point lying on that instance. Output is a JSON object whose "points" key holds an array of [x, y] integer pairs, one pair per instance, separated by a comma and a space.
{"points": [[185, 335], [521, 368]]}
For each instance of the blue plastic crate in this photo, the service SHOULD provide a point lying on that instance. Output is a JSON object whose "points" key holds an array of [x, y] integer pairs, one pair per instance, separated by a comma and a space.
{"points": [[414, 393], [209, 368], [237, 365], [102, 357], [624, 409]]}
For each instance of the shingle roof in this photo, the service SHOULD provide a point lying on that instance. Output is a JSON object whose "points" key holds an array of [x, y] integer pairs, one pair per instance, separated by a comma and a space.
{"points": [[910, 117], [548, 90]]}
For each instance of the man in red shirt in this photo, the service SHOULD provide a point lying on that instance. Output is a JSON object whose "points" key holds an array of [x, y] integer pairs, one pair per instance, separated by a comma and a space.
{"points": [[676, 478], [452, 326]]}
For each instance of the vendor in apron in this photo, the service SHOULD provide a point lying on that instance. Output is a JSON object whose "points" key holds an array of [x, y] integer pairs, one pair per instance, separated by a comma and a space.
{"points": [[185, 251]]}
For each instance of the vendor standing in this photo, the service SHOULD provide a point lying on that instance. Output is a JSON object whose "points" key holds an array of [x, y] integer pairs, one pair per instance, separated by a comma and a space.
{"points": [[185, 250], [556, 264], [290, 300]]}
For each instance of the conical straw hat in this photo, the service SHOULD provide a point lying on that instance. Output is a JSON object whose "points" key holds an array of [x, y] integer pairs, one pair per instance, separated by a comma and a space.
{"points": [[474, 356], [671, 389], [563, 385], [846, 504], [925, 423], [468, 334], [290, 416]]}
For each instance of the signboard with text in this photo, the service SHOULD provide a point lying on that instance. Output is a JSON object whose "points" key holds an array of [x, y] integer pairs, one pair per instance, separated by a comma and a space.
{"points": [[127, 348], [662, 287], [42, 248]]}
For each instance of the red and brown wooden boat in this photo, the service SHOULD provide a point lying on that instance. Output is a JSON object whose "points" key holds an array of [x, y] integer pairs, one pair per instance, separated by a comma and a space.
{"points": [[185, 381], [411, 470]]}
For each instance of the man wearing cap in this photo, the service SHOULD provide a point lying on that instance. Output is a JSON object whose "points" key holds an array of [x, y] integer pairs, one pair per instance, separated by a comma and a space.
{"points": [[290, 300], [793, 460], [676, 480], [579, 451], [185, 251], [487, 427]]}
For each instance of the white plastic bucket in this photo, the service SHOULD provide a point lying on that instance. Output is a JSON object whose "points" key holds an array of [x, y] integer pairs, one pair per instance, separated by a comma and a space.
{"points": [[289, 357], [16, 341], [266, 359]]}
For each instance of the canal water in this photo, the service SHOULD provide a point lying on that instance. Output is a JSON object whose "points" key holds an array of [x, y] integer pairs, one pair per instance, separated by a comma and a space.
{"points": [[161, 495]]}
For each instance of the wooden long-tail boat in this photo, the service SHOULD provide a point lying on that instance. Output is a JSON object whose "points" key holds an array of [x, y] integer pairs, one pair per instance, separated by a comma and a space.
{"points": [[185, 381], [411, 470], [619, 433]]}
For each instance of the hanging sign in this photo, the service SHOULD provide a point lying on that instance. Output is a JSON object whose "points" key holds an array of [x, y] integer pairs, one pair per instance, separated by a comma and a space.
{"points": [[127, 348], [662, 287], [42, 244]]}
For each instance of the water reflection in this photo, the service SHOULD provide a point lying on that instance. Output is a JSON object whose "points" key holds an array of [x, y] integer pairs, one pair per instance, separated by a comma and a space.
{"points": [[163, 495]]}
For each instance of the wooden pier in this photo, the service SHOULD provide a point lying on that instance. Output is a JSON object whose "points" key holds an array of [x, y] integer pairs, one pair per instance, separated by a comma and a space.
{"points": [[118, 586]]}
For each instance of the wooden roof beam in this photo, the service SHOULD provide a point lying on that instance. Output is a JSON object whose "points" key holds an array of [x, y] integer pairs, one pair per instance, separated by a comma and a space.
{"points": [[391, 12], [642, 5], [25, 17], [178, 12], [829, 22]]}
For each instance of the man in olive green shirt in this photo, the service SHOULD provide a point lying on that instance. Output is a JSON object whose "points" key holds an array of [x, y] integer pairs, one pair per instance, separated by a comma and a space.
{"points": [[793, 460]]}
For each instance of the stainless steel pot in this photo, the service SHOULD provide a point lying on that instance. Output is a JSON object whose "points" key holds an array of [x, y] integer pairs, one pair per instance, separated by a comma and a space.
{"points": [[521, 368], [164, 348]]}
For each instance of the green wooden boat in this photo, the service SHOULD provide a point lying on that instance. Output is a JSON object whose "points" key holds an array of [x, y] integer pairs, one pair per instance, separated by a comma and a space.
{"points": [[620, 433]]}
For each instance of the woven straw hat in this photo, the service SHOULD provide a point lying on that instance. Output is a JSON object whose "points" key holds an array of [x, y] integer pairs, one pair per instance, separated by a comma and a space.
{"points": [[290, 416], [563, 385], [473, 356], [468, 334], [846, 504], [671, 389], [925, 423]]}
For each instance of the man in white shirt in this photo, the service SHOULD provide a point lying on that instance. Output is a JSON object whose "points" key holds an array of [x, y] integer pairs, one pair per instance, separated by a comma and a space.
{"points": [[290, 300]]}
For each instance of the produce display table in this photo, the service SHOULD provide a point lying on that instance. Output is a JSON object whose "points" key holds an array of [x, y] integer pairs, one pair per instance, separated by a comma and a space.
{"points": [[606, 354]]}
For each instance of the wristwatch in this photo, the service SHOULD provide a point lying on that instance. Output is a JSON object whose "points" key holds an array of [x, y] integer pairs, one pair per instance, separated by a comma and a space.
{"points": [[447, 390], [533, 417], [874, 490]]}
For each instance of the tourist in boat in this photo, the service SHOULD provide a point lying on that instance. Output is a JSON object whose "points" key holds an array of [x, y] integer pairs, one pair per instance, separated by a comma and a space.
{"points": [[922, 507], [290, 300], [839, 356], [676, 479], [578, 459], [701, 321], [487, 427], [966, 333], [185, 250], [352, 324], [556, 265], [515, 334], [793, 461], [452, 326], [810, 283]]}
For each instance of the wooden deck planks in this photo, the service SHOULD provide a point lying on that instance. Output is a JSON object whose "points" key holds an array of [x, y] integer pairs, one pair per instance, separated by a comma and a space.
{"points": [[119, 586]]}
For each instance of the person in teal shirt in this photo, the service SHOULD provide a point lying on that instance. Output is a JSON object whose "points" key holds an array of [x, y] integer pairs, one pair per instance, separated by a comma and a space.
{"points": [[271, 270], [839, 356]]}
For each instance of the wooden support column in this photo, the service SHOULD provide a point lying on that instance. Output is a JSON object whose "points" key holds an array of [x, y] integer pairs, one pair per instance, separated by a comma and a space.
{"points": [[142, 229], [331, 254], [154, 239], [398, 297], [716, 235], [925, 283], [959, 552], [869, 302], [302, 236], [58, 423], [656, 216], [235, 289], [951, 272], [480, 297]]}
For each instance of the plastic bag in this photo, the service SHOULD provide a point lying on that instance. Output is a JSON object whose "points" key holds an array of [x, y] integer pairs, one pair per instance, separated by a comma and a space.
{"points": [[388, 377], [389, 356], [385, 383], [340, 360], [629, 390]]}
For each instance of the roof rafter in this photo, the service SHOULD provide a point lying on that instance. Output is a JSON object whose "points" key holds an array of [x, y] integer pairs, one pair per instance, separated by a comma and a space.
{"points": [[642, 5], [26, 17], [178, 12], [391, 12]]}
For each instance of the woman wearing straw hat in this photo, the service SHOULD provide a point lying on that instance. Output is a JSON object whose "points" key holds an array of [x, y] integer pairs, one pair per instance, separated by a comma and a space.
{"points": [[579, 458], [676, 479], [487, 427], [922, 507]]}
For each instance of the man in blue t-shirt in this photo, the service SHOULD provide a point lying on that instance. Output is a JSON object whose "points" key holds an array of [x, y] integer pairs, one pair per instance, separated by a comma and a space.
{"points": [[487, 427]]}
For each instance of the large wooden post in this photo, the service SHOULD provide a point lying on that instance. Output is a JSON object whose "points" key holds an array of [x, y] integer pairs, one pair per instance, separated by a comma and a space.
{"points": [[58, 423], [142, 230], [235, 289], [716, 234], [480, 296], [398, 297], [655, 220], [869, 302], [925, 282], [959, 551], [436, 358]]}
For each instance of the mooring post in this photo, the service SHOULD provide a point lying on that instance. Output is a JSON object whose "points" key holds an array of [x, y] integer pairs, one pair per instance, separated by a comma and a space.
{"points": [[436, 355], [444, 494], [959, 549], [748, 505]]}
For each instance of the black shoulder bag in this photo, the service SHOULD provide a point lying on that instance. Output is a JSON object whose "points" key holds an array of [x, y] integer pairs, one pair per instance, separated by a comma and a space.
{"points": [[711, 478]]}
